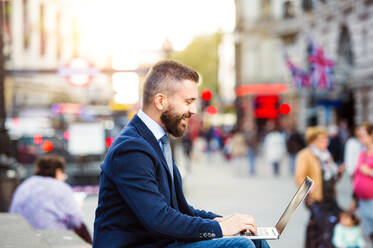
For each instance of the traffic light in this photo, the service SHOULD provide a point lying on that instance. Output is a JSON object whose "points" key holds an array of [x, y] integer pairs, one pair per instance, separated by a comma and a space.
{"points": [[206, 96]]}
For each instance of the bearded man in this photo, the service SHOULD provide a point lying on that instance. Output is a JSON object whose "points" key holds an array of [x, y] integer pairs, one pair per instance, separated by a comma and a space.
{"points": [[141, 201]]}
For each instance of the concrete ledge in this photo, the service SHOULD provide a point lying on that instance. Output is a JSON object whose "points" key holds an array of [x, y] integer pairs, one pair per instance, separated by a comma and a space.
{"points": [[61, 238], [15, 231]]}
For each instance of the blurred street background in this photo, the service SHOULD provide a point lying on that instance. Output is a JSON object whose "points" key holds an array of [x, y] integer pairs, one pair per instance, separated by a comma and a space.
{"points": [[71, 76], [227, 188]]}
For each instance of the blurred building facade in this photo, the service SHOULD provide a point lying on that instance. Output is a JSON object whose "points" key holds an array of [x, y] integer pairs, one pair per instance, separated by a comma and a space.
{"points": [[266, 29], [226, 72], [259, 60], [41, 38]]}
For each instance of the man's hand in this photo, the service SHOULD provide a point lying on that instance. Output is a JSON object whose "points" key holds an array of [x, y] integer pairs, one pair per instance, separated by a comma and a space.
{"points": [[236, 223], [220, 219]]}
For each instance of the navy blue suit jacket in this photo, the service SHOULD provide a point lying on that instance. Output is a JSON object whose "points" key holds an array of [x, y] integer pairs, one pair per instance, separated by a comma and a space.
{"points": [[139, 205]]}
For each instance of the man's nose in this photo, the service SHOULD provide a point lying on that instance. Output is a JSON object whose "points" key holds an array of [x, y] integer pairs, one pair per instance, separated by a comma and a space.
{"points": [[193, 108]]}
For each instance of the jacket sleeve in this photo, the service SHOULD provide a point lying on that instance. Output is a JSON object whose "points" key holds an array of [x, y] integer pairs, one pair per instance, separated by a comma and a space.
{"points": [[134, 175], [203, 214]]}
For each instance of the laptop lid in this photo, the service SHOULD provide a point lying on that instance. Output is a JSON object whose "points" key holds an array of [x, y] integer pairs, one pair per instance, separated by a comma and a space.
{"points": [[294, 203]]}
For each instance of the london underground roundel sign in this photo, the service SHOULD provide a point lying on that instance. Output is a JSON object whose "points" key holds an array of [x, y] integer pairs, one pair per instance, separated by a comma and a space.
{"points": [[78, 72]]}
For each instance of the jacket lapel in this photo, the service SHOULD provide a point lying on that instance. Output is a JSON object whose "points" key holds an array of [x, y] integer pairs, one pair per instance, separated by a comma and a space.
{"points": [[145, 132]]}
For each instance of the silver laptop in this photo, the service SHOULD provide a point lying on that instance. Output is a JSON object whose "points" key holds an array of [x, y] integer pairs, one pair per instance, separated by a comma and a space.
{"points": [[275, 232]]}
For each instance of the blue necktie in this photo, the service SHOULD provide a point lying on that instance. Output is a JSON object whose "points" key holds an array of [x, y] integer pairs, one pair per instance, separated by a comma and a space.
{"points": [[167, 153]]}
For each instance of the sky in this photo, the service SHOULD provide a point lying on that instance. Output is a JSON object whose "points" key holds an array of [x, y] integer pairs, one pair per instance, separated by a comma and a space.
{"points": [[113, 26], [131, 32]]}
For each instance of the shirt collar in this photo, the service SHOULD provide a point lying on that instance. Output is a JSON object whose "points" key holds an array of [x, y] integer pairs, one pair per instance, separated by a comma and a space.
{"points": [[154, 127]]}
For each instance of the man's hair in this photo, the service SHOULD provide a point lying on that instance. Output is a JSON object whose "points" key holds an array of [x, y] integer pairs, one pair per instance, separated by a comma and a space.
{"points": [[163, 76], [47, 165], [313, 132]]}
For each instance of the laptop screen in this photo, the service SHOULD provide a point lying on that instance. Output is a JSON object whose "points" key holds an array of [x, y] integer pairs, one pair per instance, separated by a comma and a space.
{"points": [[294, 203]]}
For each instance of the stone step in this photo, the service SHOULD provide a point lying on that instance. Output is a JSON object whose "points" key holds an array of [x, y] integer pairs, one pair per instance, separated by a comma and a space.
{"points": [[15, 231], [61, 238]]}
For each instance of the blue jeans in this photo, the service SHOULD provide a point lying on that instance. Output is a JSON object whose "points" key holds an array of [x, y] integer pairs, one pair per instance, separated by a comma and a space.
{"points": [[251, 156], [276, 169], [233, 242], [292, 163], [366, 214]]}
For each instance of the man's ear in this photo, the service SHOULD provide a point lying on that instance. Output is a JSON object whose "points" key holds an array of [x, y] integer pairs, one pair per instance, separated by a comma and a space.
{"points": [[160, 101]]}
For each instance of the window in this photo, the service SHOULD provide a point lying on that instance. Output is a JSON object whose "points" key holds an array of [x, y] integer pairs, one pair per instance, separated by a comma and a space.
{"points": [[307, 5], [345, 46], [7, 28], [26, 25], [266, 9], [75, 37], [345, 60], [288, 9], [58, 35], [42, 30], [364, 42]]}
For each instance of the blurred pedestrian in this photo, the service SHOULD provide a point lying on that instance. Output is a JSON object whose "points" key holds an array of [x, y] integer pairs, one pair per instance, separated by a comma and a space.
{"points": [[227, 146], [46, 201], [316, 162], [294, 144], [336, 145], [213, 138], [353, 148], [238, 145], [186, 142], [344, 131], [251, 138], [274, 149], [199, 147], [363, 181], [347, 233]]}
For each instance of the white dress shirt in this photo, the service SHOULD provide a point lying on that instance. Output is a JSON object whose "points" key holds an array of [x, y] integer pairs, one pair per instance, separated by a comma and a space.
{"points": [[153, 126]]}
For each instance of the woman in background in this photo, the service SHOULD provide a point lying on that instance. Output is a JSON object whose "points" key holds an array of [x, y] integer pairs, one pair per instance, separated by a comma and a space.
{"points": [[316, 162], [363, 181], [46, 201]]}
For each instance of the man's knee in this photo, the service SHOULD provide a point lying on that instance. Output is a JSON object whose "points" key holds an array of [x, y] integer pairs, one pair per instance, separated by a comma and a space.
{"points": [[241, 242], [245, 243], [261, 244]]}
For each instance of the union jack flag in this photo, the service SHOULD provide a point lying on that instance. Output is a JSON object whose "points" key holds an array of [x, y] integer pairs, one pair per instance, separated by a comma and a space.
{"points": [[321, 68], [300, 77]]}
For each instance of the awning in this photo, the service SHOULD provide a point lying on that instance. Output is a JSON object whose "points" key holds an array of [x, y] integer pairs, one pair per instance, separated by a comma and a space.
{"points": [[262, 89]]}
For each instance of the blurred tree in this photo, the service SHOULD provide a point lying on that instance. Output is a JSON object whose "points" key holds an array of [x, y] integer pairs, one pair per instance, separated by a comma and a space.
{"points": [[202, 55]]}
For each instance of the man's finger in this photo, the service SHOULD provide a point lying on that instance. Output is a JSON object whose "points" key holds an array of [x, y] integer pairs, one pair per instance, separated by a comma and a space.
{"points": [[251, 228]]}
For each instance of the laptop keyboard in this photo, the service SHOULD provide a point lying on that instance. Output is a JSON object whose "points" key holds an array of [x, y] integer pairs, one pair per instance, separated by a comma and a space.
{"points": [[259, 232], [262, 232]]}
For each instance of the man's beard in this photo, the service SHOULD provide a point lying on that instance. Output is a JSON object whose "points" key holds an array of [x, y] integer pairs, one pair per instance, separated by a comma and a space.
{"points": [[172, 121]]}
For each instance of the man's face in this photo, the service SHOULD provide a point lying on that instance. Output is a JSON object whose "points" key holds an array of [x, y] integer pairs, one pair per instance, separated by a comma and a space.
{"points": [[181, 106]]}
